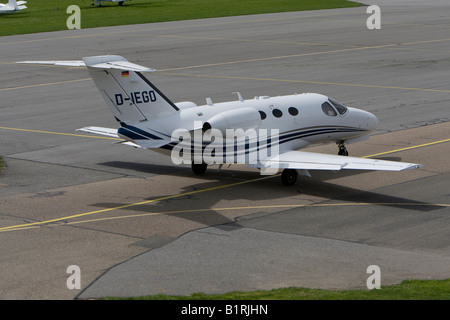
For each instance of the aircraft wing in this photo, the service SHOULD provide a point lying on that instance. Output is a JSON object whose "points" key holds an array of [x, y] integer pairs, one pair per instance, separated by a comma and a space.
{"points": [[321, 161]]}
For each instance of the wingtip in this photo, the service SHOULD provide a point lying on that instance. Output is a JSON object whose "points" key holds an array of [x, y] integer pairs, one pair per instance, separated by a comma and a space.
{"points": [[414, 166]]}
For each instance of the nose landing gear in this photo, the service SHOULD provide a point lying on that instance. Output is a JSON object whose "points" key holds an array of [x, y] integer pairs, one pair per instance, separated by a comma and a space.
{"points": [[342, 149]]}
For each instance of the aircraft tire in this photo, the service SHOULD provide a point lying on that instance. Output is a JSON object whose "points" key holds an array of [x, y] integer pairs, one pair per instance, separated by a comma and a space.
{"points": [[199, 168], [289, 177]]}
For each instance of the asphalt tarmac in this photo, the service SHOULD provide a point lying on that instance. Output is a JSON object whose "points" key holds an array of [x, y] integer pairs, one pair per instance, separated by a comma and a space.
{"points": [[135, 224]]}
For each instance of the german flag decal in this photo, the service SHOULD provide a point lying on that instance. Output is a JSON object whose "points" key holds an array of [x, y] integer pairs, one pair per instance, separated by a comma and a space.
{"points": [[125, 74]]}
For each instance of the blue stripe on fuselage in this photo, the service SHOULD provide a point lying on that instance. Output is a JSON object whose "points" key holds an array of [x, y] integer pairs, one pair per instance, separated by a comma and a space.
{"points": [[136, 133], [292, 135]]}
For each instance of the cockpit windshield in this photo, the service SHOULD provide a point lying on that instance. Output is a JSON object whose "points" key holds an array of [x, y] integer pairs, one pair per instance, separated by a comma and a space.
{"points": [[339, 106], [328, 109]]}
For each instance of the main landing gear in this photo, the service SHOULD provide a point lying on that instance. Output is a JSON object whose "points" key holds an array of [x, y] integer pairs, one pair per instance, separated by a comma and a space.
{"points": [[342, 149], [199, 168], [289, 177]]}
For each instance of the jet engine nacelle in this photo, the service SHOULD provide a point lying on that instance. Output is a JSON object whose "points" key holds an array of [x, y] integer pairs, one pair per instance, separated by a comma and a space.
{"points": [[242, 118]]}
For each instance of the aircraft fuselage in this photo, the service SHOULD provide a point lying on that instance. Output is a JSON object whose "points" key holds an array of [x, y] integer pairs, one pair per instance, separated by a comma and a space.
{"points": [[302, 119]]}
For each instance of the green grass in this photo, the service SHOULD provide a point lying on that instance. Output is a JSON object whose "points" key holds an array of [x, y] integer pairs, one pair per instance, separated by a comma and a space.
{"points": [[50, 15], [407, 290], [2, 164]]}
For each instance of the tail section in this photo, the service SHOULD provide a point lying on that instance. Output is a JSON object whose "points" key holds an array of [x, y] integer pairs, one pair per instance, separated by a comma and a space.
{"points": [[128, 93]]}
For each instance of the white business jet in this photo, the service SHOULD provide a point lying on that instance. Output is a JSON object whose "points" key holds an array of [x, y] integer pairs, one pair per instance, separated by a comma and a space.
{"points": [[12, 6], [223, 133]]}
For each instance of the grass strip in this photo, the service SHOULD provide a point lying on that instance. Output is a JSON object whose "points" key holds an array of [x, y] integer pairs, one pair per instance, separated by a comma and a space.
{"points": [[406, 290], [50, 15]]}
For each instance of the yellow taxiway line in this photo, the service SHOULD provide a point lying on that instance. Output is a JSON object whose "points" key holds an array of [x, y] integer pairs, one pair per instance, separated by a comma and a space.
{"points": [[44, 84], [302, 81], [281, 206], [407, 148]]}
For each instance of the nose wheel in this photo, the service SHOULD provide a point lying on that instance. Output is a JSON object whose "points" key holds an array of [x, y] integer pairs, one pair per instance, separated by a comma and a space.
{"points": [[342, 149]]}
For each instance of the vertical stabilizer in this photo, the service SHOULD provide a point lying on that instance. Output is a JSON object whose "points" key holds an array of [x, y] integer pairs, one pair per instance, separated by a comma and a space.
{"points": [[128, 93]]}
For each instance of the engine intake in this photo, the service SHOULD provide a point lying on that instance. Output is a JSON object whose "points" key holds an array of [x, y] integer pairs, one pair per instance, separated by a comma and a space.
{"points": [[242, 118]]}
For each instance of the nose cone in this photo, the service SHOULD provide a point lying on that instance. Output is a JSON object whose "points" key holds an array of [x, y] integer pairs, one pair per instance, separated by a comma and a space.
{"points": [[364, 119], [372, 121]]}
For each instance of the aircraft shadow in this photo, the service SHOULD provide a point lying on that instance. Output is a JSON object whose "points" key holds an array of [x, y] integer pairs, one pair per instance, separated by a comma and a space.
{"points": [[198, 209], [321, 188], [149, 168]]}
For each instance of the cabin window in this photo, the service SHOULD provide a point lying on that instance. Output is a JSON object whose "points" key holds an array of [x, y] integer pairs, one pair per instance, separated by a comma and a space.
{"points": [[277, 113], [293, 111], [328, 109], [263, 115], [339, 106]]}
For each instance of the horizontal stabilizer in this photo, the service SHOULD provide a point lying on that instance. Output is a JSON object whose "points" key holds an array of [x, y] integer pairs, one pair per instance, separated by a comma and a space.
{"points": [[138, 143], [152, 144], [128, 143], [100, 62], [110, 132], [67, 63]]}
